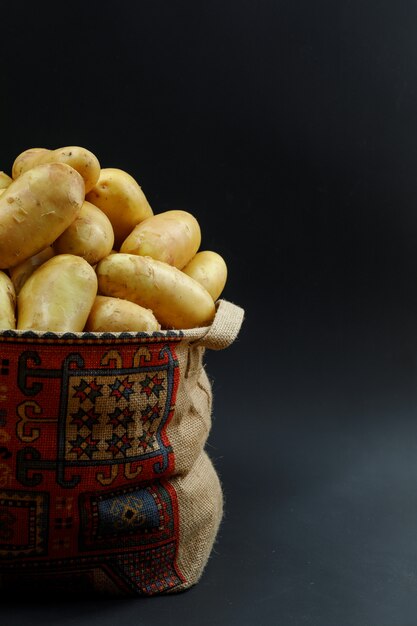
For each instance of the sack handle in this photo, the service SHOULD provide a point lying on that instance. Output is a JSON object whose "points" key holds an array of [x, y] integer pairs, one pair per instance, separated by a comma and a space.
{"points": [[224, 328]]}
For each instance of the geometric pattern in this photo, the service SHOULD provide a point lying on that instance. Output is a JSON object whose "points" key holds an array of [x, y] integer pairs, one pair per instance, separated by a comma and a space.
{"points": [[23, 524], [138, 569], [142, 516], [112, 414], [85, 459]]}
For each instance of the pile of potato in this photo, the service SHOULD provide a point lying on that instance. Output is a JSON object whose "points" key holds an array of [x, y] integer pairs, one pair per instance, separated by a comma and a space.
{"points": [[82, 250]]}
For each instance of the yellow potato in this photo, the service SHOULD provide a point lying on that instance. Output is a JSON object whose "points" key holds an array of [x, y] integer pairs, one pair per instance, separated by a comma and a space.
{"points": [[58, 296], [21, 272], [210, 270], [115, 315], [81, 159], [7, 302], [90, 235], [176, 300], [121, 198], [27, 159], [36, 208], [5, 180], [172, 236]]}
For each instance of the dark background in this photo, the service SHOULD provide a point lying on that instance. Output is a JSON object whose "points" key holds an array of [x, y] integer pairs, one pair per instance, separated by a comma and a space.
{"points": [[289, 128]]}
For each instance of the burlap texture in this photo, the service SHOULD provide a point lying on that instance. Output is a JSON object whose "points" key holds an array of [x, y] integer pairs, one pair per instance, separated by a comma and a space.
{"points": [[191, 423], [105, 482], [198, 488], [200, 504]]}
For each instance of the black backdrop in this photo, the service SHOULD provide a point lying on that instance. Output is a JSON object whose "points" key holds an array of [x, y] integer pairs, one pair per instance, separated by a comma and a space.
{"points": [[289, 128]]}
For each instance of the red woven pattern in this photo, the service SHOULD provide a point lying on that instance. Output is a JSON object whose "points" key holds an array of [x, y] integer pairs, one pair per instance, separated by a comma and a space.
{"points": [[84, 462]]}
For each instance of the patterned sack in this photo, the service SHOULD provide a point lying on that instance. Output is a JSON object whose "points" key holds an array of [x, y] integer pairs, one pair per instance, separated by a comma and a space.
{"points": [[105, 484]]}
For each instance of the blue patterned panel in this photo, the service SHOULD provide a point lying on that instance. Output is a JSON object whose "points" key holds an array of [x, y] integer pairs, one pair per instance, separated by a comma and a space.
{"points": [[127, 512], [134, 516]]}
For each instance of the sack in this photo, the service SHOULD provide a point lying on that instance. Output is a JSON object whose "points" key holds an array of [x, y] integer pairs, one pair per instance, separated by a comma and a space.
{"points": [[105, 483]]}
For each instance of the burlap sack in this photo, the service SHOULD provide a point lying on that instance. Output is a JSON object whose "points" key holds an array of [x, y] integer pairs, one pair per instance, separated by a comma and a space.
{"points": [[105, 483]]}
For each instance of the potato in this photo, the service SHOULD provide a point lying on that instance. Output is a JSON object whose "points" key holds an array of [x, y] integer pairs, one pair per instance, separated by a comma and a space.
{"points": [[21, 272], [58, 296], [210, 270], [7, 302], [5, 180], [116, 315], [121, 198], [81, 159], [26, 160], [177, 300], [172, 236], [90, 235], [36, 208]]}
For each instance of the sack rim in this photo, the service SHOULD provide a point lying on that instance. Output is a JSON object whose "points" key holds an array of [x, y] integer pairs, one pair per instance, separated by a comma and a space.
{"points": [[191, 334], [221, 333]]}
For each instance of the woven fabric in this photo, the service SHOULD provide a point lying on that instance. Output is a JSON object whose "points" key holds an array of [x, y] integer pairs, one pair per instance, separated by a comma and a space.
{"points": [[105, 483]]}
